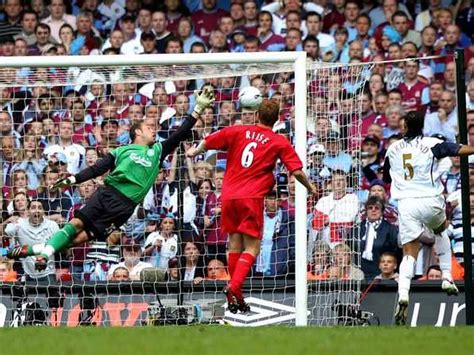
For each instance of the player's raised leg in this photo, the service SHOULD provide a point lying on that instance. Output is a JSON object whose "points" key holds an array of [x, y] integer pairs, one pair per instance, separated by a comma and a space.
{"points": [[61, 240], [443, 251], [407, 270]]}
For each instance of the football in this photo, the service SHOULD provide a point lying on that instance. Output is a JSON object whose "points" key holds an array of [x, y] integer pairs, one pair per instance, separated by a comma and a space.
{"points": [[250, 97]]}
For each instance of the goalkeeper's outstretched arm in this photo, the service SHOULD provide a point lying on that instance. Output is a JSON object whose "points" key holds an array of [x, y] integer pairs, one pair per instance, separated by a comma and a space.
{"points": [[181, 134], [99, 168], [203, 100]]}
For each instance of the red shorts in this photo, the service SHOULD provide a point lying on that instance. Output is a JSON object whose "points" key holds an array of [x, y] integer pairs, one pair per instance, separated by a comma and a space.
{"points": [[243, 216]]}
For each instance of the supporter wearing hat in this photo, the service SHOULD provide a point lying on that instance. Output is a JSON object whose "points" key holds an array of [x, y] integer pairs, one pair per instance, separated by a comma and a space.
{"points": [[147, 36], [387, 36], [370, 156], [336, 158], [148, 42], [318, 172], [377, 235], [131, 253], [381, 190], [371, 138], [7, 45]]}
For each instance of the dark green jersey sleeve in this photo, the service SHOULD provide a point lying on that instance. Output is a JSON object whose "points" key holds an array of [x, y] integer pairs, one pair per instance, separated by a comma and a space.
{"points": [[99, 168]]}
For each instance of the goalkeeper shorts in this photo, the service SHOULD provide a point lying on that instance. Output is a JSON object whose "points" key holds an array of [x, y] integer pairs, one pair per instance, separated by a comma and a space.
{"points": [[243, 216], [104, 212]]}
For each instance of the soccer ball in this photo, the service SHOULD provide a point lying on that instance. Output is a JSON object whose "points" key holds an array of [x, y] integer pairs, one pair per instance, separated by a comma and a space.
{"points": [[250, 97]]}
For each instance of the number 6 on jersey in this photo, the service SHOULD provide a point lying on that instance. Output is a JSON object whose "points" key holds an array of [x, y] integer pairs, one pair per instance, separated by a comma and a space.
{"points": [[247, 155]]}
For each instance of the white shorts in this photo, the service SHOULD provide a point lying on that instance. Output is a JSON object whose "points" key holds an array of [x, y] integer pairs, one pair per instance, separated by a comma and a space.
{"points": [[414, 214]]}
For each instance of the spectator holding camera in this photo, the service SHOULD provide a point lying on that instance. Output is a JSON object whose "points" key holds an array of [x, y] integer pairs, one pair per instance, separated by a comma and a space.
{"points": [[162, 246]]}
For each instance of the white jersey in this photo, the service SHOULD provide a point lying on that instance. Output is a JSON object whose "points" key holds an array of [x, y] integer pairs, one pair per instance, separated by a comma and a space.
{"points": [[342, 210], [75, 155], [414, 169], [169, 249], [134, 272], [28, 234]]}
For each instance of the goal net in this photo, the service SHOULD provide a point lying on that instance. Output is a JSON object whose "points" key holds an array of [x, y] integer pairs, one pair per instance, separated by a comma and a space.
{"points": [[167, 264]]}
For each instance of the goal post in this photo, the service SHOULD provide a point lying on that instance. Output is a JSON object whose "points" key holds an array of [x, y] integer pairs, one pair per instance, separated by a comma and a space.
{"points": [[466, 206], [301, 282], [161, 68]]}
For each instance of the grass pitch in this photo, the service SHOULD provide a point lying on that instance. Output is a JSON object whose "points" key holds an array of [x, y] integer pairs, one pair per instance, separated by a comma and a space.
{"points": [[194, 340]]}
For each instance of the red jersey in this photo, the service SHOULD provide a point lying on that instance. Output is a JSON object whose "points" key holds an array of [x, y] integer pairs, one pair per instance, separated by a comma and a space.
{"points": [[205, 21], [412, 95], [252, 152]]}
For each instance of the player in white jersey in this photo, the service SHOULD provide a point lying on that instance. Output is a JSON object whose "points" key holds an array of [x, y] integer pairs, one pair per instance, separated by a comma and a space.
{"points": [[411, 166]]}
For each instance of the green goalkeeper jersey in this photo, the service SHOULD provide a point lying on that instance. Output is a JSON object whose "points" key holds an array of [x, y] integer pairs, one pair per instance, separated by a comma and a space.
{"points": [[135, 171]]}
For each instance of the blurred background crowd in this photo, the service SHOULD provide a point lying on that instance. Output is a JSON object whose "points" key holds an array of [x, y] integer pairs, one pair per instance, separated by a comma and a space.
{"points": [[49, 130]]}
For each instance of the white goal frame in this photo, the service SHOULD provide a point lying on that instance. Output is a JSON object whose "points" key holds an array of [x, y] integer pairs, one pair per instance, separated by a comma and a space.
{"points": [[298, 61]]}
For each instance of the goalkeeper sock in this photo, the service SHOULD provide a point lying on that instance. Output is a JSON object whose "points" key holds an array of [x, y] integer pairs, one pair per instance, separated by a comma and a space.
{"points": [[35, 249], [443, 250], [60, 240], [407, 269], [232, 260], [242, 269]]}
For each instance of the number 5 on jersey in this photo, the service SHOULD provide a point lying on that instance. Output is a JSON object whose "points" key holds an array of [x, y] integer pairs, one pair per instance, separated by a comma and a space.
{"points": [[409, 171], [247, 155]]}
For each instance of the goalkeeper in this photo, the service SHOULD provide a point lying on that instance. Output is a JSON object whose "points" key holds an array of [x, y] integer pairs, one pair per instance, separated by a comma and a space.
{"points": [[133, 170]]}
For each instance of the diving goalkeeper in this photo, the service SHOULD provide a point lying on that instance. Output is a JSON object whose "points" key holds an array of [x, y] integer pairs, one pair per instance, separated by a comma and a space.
{"points": [[133, 170]]}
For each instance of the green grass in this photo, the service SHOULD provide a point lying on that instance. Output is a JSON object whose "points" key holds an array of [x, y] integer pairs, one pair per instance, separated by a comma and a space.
{"points": [[229, 341]]}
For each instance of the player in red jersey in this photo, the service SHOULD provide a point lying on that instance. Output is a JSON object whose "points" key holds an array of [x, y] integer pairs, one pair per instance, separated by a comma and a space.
{"points": [[252, 152]]}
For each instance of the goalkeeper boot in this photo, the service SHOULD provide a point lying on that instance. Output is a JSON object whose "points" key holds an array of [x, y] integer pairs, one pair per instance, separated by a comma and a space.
{"points": [[18, 252], [41, 263], [401, 313], [449, 287], [232, 302]]}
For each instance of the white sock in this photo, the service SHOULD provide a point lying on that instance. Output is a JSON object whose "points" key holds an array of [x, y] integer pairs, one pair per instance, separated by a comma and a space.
{"points": [[48, 251], [443, 250], [38, 248], [407, 268]]}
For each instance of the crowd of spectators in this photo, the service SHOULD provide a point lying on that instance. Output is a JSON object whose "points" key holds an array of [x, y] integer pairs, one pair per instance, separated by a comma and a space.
{"points": [[49, 131]]}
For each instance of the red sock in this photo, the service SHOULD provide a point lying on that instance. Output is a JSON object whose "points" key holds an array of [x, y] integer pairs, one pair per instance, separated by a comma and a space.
{"points": [[232, 260], [242, 269]]}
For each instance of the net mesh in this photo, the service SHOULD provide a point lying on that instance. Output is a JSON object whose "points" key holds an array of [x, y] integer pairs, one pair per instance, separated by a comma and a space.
{"points": [[167, 263], [334, 119]]}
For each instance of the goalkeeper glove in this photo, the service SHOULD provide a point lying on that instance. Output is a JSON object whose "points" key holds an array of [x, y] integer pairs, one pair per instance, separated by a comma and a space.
{"points": [[204, 100], [61, 183]]}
